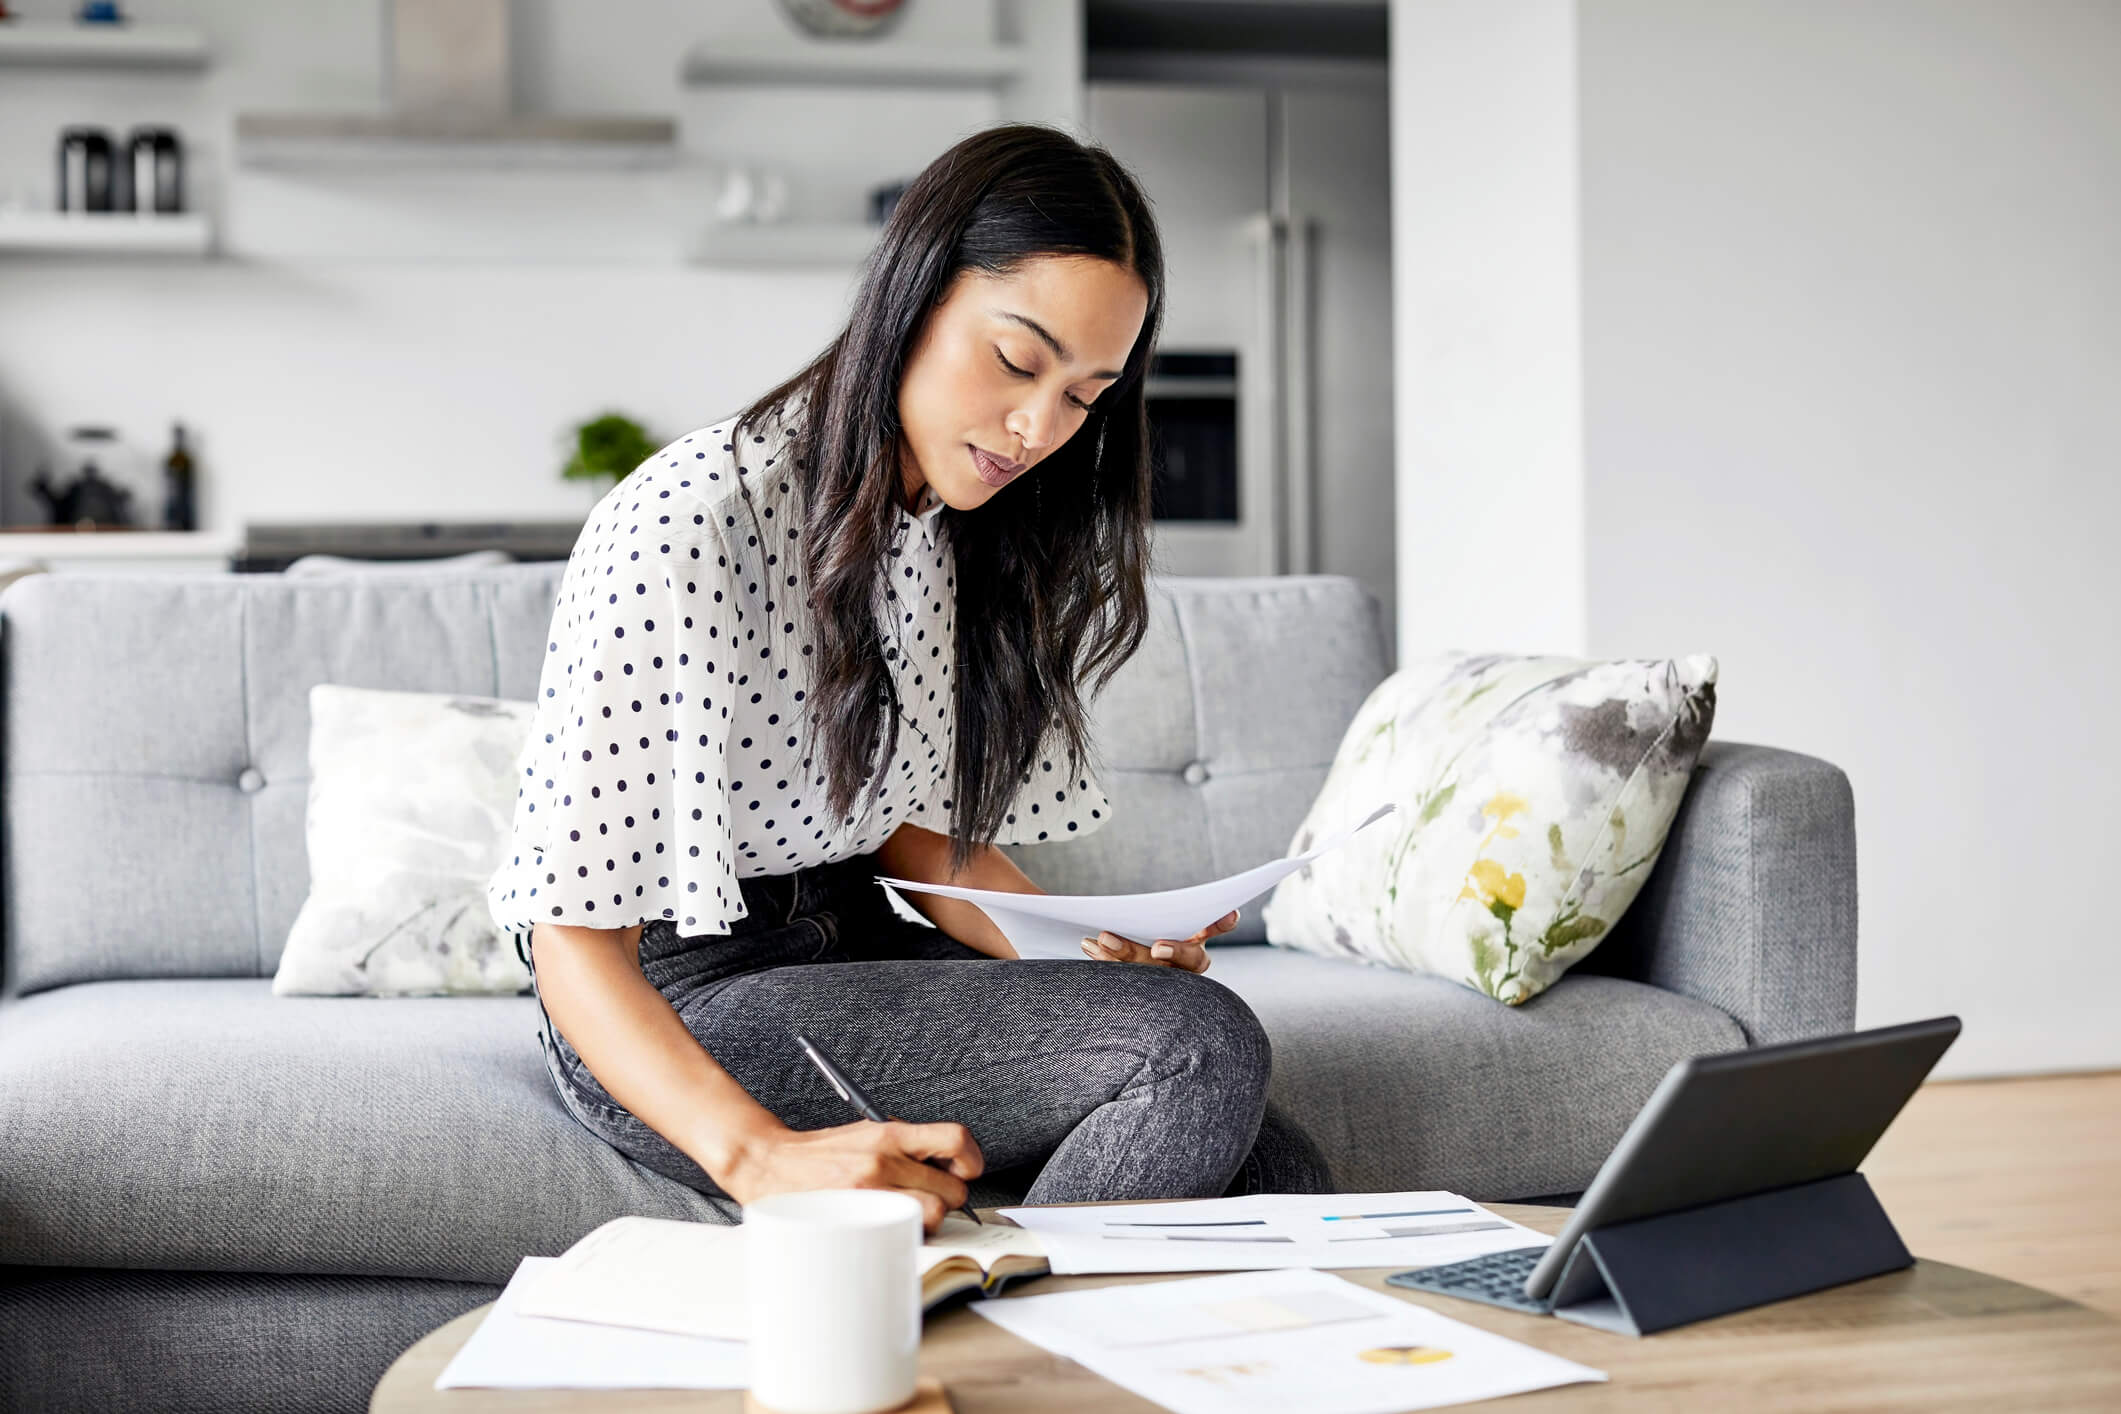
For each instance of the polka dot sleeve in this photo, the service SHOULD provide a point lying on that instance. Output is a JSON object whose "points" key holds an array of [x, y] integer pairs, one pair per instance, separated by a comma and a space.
{"points": [[1053, 805], [634, 802]]}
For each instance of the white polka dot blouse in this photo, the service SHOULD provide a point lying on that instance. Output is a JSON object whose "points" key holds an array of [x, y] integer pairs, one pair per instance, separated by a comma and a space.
{"points": [[665, 759]]}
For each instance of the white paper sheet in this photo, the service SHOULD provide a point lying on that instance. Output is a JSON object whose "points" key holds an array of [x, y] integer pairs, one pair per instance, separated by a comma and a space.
{"points": [[510, 1350], [1272, 1230], [656, 1274], [687, 1278], [1054, 925], [1275, 1341]]}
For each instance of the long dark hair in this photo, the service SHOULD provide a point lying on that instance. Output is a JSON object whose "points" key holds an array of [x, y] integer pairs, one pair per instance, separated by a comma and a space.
{"points": [[1052, 571]]}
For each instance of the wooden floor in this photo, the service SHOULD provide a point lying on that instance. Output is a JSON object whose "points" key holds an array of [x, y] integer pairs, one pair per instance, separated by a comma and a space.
{"points": [[2020, 1178]]}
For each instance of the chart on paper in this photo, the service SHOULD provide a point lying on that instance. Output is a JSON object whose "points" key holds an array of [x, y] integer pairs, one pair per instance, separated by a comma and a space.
{"points": [[1268, 1342], [1447, 1221], [1273, 1230]]}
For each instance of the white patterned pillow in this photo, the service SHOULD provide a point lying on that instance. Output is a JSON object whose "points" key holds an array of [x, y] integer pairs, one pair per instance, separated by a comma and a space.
{"points": [[1534, 795], [410, 799]]}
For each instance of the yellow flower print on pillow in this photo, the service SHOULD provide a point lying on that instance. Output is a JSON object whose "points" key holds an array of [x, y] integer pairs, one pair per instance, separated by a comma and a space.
{"points": [[1579, 767], [1501, 894]]}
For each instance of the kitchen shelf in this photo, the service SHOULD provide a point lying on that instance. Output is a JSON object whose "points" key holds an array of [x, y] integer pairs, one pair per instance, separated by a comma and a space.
{"points": [[782, 243], [385, 139], [854, 61], [103, 233], [128, 46]]}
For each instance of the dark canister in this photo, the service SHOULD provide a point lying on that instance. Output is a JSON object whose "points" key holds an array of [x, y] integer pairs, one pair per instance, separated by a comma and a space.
{"points": [[85, 170], [155, 171]]}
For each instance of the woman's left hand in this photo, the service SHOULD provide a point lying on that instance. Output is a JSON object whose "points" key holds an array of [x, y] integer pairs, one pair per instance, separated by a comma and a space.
{"points": [[1189, 954]]}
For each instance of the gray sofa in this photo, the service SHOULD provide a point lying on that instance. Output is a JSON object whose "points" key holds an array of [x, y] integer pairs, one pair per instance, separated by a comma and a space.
{"points": [[215, 1198]]}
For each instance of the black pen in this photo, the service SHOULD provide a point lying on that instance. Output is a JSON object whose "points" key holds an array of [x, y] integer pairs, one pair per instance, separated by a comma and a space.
{"points": [[863, 1105]]}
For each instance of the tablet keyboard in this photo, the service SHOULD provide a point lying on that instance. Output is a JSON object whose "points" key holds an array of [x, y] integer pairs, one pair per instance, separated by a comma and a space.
{"points": [[1497, 1279]]}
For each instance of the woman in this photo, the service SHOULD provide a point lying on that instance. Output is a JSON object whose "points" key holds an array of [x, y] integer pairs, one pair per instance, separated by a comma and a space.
{"points": [[759, 693]]}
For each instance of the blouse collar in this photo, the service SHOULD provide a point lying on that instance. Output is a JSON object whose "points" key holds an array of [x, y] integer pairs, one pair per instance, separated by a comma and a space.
{"points": [[931, 505]]}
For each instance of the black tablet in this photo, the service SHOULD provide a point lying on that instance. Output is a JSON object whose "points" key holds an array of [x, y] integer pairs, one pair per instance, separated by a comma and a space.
{"points": [[1742, 1122]]}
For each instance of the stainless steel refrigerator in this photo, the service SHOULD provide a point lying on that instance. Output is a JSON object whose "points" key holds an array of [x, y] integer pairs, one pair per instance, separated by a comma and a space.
{"points": [[1274, 206]]}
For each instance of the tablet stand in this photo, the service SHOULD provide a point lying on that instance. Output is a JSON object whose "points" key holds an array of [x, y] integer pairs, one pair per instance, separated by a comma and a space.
{"points": [[1675, 1268]]}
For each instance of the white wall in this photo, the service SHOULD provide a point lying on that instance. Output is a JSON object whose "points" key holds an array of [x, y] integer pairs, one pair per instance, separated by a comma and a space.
{"points": [[1488, 423], [1849, 291], [1852, 341], [404, 343]]}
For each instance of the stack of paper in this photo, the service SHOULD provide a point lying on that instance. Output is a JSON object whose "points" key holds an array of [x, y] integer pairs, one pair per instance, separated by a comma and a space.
{"points": [[511, 1350], [1273, 1230], [1276, 1341], [651, 1274]]}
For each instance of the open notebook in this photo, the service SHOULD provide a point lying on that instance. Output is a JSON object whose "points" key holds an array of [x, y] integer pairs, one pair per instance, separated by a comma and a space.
{"points": [[687, 1278]]}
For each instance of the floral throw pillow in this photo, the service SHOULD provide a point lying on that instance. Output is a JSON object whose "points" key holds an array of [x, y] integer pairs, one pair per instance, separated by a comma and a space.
{"points": [[1534, 795], [410, 799]]}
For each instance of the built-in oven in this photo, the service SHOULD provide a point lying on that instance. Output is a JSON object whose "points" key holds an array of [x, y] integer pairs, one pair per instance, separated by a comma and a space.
{"points": [[1193, 404]]}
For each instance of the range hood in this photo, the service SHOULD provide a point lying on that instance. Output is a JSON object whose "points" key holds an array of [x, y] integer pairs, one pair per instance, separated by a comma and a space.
{"points": [[448, 67]]}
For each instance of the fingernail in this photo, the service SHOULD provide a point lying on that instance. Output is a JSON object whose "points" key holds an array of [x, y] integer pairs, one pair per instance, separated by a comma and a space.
{"points": [[1160, 950]]}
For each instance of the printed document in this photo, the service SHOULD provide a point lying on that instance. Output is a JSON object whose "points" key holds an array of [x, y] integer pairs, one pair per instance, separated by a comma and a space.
{"points": [[511, 1350], [1276, 1341], [1054, 925], [1272, 1230], [687, 1278]]}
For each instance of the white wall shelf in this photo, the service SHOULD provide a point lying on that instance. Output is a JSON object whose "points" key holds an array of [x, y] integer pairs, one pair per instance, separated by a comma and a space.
{"points": [[854, 61], [386, 139], [103, 233], [788, 243], [26, 44]]}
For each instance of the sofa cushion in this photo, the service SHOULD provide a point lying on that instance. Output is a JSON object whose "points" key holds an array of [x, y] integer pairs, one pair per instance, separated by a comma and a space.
{"points": [[410, 795], [205, 1124], [1409, 1081]]}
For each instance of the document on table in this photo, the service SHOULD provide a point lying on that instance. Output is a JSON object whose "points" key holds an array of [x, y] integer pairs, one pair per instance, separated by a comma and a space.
{"points": [[510, 1350], [1274, 1341], [656, 1274], [688, 1278], [1272, 1230], [1054, 925]]}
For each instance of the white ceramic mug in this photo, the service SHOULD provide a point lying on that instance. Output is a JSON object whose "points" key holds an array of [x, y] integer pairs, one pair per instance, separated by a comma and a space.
{"points": [[833, 1284]]}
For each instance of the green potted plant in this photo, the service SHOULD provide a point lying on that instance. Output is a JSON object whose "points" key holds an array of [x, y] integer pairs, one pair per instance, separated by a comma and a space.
{"points": [[611, 445]]}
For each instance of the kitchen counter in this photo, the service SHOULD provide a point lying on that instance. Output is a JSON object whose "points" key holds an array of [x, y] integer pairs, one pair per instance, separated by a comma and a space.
{"points": [[103, 551]]}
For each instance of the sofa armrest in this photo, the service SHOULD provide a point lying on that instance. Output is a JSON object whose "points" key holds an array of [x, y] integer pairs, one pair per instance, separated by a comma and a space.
{"points": [[1752, 905]]}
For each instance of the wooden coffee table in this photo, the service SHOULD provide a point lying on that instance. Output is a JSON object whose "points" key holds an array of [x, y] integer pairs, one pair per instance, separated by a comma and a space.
{"points": [[1931, 1337]]}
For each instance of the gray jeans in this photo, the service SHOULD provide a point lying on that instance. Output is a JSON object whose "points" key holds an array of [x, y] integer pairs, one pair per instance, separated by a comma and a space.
{"points": [[1080, 1081]]}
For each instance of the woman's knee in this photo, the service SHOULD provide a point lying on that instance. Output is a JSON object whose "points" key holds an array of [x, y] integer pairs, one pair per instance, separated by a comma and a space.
{"points": [[1205, 1017]]}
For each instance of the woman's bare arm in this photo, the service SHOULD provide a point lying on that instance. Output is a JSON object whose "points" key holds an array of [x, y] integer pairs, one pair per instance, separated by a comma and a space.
{"points": [[638, 1048], [631, 1039], [911, 852], [914, 853]]}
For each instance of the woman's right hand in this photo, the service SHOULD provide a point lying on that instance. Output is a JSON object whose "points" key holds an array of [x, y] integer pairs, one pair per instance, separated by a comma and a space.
{"points": [[864, 1154]]}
